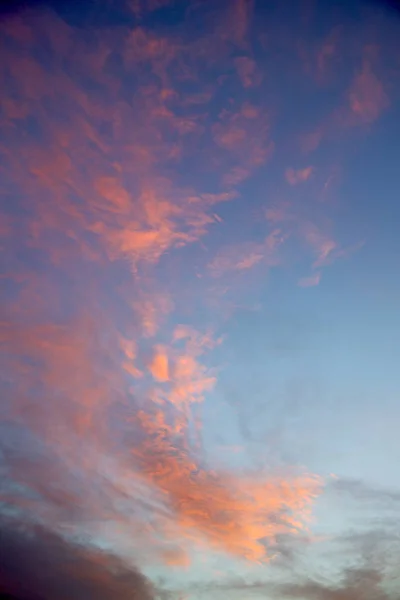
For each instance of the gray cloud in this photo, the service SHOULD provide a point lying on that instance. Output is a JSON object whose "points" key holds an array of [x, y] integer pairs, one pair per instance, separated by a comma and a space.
{"points": [[357, 585], [361, 491]]}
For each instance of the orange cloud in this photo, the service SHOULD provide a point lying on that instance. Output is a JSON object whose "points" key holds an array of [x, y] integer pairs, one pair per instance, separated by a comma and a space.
{"points": [[230, 512], [189, 379], [233, 514], [159, 366], [69, 363]]}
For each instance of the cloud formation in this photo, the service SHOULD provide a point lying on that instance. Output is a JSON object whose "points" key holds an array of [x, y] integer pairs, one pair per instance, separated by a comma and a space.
{"points": [[145, 166]]}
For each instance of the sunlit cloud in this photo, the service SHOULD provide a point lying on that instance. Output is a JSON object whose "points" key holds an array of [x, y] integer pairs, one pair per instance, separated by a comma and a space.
{"points": [[158, 366]]}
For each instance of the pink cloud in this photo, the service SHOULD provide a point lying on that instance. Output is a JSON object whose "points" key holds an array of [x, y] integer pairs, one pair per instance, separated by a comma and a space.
{"points": [[245, 256], [367, 96], [293, 177], [248, 72]]}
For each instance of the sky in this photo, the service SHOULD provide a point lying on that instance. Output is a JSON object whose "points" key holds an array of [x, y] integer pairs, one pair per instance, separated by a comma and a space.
{"points": [[200, 300]]}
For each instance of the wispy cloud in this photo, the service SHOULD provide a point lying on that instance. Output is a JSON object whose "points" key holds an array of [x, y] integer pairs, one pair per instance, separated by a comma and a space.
{"points": [[245, 256]]}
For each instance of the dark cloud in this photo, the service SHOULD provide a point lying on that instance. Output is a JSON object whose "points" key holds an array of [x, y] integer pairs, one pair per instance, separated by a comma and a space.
{"points": [[38, 564]]}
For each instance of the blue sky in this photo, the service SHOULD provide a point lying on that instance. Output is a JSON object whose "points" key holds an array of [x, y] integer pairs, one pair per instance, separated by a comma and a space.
{"points": [[200, 300]]}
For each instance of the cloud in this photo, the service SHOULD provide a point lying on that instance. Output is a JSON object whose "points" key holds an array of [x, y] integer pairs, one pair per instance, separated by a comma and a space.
{"points": [[151, 308], [310, 281], [321, 244], [158, 366], [140, 7], [354, 583], [368, 571], [245, 256], [236, 258], [310, 141], [367, 97], [236, 23], [86, 416], [37, 563], [322, 58], [361, 102], [367, 494], [95, 207], [122, 151], [357, 584], [248, 72], [364, 561], [244, 136], [326, 54], [294, 177], [312, 232]]}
